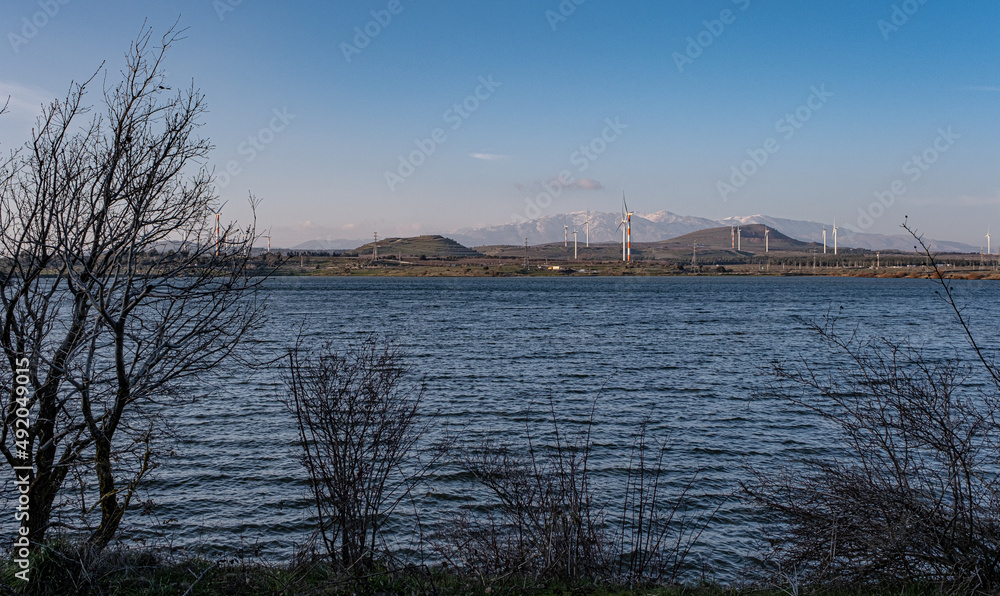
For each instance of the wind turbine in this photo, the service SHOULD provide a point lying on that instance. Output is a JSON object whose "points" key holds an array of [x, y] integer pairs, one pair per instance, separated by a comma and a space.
{"points": [[766, 245], [835, 236], [566, 236], [739, 239], [987, 240], [628, 225], [824, 239], [732, 234], [375, 249], [574, 244]]}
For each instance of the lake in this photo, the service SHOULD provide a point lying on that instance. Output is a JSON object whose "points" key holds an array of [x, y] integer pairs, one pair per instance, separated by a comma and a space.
{"points": [[687, 353]]}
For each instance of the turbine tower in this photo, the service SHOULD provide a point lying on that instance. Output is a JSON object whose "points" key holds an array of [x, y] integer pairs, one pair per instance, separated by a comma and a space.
{"points": [[739, 239], [835, 236], [375, 249], [987, 240], [566, 236], [732, 235], [574, 244], [824, 239], [767, 247], [588, 229], [628, 225]]}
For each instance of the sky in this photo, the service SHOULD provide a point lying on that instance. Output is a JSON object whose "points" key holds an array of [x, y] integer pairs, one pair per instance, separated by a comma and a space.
{"points": [[408, 117]]}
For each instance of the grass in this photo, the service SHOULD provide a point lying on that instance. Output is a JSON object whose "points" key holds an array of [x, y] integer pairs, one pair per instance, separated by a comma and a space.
{"points": [[64, 569]]}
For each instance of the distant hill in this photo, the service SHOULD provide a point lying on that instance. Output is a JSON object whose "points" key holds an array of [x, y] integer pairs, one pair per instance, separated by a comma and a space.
{"points": [[750, 239], [656, 227], [428, 246], [811, 231]]}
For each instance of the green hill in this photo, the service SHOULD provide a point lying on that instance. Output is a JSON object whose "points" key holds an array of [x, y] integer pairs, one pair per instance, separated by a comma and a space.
{"points": [[722, 239], [432, 247]]}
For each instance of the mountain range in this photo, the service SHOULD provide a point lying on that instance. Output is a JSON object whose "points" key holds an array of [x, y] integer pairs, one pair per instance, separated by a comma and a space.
{"points": [[654, 227], [664, 225]]}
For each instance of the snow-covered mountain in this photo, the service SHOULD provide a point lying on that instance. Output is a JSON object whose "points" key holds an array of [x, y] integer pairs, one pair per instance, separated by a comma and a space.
{"points": [[603, 228], [811, 231], [664, 225]]}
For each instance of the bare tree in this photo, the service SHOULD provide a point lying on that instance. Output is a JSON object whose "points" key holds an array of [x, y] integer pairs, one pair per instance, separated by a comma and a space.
{"points": [[357, 416], [915, 495], [114, 290]]}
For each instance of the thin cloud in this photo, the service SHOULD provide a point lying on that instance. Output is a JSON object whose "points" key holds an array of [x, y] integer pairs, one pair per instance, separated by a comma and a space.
{"points": [[25, 102], [488, 156], [588, 184]]}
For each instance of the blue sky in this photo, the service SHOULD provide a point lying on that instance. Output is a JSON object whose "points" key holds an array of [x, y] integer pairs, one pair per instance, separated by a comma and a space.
{"points": [[669, 100]]}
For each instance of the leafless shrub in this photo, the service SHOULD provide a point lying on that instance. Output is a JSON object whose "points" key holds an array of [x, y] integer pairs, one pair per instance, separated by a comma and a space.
{"points": [[357, 415], [655, 534], [915, 499], [547, 521], [543, 522]]}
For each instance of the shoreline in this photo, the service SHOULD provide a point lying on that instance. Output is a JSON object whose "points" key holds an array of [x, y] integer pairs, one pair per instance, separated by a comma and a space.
{"points": [[478, 270]]}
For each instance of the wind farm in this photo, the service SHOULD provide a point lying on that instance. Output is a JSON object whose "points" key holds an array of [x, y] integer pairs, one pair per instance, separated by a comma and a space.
{"points": [[750, 249]]}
